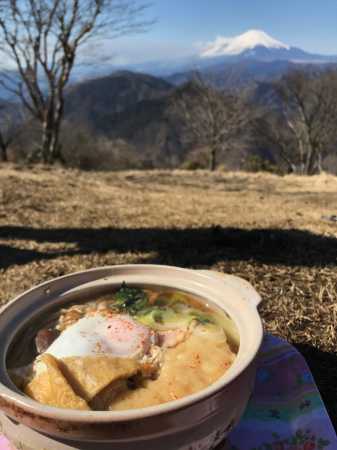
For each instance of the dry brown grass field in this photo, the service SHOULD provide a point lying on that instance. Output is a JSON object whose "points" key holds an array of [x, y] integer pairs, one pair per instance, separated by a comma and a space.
{"points": [[266, 229]]}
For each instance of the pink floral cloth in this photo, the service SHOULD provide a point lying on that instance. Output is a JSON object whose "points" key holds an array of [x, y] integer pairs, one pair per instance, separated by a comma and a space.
{"points": [[286, 411]]}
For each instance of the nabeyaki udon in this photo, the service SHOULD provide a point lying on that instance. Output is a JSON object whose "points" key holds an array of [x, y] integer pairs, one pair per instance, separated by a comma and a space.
{"points": [[134, 349]]}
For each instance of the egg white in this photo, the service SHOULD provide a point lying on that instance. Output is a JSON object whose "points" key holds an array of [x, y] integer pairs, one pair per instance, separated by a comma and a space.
{"points": [[99, 333]]}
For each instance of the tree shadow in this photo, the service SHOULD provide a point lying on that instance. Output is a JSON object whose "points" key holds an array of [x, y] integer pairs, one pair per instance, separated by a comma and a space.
{"points": [[181, 247], [323, 366]]}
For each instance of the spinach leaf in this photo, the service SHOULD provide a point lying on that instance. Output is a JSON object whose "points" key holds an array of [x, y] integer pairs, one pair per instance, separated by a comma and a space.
{"points": [[130, 296]]}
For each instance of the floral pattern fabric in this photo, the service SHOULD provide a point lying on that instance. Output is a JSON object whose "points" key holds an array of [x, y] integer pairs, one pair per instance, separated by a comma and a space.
{"points": [[286, 411]]}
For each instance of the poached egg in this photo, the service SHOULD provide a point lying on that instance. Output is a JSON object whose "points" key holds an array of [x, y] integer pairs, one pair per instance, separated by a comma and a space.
{"points": [[102, 333]]}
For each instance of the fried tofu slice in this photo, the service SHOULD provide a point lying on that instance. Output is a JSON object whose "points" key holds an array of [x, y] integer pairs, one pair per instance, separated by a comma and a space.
{"points": [[75, 381], [89, 375], [52, 388], [40, 390]]}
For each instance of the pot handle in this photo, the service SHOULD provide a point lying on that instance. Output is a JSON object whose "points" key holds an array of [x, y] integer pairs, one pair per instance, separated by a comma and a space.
{"points": [[236, 283]]}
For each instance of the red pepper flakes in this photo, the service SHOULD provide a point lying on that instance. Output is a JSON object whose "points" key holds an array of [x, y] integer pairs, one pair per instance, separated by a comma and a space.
{"points": [[175, 396], [154, 397]]}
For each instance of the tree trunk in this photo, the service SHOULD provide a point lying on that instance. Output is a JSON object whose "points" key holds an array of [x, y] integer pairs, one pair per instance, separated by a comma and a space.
{"points": [[3, 149], [319, 161], [4, 153], [47, 134], [308, 164], [211, 161], [291, 168], [46, 139], [48, 126], [54, 144], [302, 162]]}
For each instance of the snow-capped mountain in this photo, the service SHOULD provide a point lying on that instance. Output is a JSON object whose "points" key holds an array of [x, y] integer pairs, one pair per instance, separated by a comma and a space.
{"points": [[224, 46], [258, 45]]}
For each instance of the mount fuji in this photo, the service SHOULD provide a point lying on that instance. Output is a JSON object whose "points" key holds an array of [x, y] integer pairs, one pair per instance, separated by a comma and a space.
{"points": [[224, 46], [258, 45]]}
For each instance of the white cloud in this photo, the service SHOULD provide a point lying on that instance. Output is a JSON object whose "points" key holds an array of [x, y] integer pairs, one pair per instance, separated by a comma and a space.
{"points": [[133, 51]]}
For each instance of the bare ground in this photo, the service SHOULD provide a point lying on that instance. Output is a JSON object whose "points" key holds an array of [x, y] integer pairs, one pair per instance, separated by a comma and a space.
{"points": [[261, 227]]}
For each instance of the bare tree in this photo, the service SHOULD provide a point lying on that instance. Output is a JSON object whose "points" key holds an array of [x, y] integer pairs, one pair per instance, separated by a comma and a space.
{"points": [[214, 106], [41, 39], [309, 99], [13, 121], [276, 133]]}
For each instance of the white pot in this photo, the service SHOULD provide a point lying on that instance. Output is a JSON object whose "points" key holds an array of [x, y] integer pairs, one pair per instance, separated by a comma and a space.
{"points": [[199, 421]]}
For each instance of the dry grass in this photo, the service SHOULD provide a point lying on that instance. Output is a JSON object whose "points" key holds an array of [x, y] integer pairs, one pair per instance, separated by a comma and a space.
{"points": [[264, 228]]}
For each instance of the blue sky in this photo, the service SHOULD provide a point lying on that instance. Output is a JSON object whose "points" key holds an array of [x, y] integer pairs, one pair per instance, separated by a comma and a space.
{"points": [[308, 24]]}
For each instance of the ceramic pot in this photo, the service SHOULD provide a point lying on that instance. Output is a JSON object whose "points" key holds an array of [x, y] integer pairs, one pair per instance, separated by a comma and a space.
{"points": [[199, 421]]}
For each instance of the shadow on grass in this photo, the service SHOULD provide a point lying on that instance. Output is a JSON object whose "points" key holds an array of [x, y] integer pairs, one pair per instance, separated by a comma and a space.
{"points": [[323, 366], [180, 247]]}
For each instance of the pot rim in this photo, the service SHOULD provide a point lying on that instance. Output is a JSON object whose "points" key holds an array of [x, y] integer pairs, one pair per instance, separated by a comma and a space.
{"points": [[16, 397]]}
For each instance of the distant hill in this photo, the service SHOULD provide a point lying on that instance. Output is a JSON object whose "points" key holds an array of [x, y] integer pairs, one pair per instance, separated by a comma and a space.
{"points": [[250, 69], [90, 100], [133, 107], [146, 123], [153, 129]]}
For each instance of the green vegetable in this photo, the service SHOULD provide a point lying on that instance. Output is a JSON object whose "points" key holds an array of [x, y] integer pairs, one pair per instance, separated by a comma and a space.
{"points": [[140, 304], [130, 297], [180, 298], [226, 324], [160, 301], [164, 320], [145, 311], [123, 310]]}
